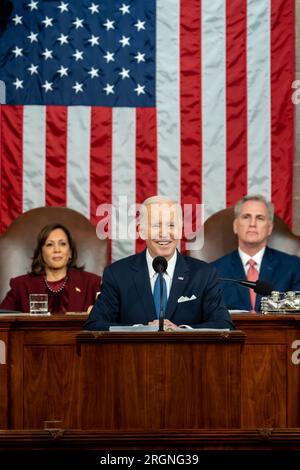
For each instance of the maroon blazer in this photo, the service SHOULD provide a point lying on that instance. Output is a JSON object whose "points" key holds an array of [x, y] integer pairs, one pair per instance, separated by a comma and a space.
{"points": [[78, 294]]}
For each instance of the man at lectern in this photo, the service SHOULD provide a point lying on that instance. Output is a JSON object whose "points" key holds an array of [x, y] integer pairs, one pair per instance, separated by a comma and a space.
{"points": [[189, 287]]}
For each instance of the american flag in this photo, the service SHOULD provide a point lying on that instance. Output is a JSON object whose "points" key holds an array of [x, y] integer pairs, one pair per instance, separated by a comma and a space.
{"points": [[107, 99]]}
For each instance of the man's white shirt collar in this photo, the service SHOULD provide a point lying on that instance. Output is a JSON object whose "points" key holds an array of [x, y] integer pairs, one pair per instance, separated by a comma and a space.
{"points": [[257, 258], [169, 273]]}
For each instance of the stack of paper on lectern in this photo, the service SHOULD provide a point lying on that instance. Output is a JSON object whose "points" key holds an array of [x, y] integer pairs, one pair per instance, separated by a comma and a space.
{"points": [[183, 328], [12, 312], [132, 328], [239, 311]]}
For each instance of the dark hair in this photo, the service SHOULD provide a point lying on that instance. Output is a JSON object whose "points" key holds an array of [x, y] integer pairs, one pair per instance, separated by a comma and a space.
{"points": [[38, 264]]}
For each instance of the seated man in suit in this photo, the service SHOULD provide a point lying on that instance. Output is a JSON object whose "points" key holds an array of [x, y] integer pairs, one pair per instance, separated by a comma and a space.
{"points": [[193, 295], [253, 224]]}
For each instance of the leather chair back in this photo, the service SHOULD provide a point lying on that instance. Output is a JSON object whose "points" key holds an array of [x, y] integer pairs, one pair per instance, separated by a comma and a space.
{"points": [[219, 238], [18, 242]]}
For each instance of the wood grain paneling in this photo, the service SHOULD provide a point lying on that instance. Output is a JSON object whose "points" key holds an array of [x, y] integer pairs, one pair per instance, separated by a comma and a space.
{"points": [[3, 379], [50, 386], [270, 380], [264, 386], [160, 385], [154, 382]]}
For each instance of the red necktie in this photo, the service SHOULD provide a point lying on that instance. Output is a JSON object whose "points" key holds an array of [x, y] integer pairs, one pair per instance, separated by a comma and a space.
{"points": [[252, 275]]}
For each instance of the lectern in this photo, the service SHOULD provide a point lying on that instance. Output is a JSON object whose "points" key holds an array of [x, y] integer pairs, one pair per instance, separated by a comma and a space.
{"points": [[160, 381], [50, 371]]}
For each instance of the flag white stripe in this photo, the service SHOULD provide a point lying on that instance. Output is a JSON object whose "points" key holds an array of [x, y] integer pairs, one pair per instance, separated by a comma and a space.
{"points": [[258, 92], [78, 159], [168, 97], [34, 156], [123, 179], [2, 92], [213, 105]]}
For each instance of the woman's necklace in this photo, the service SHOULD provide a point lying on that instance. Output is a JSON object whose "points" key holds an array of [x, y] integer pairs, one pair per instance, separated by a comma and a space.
{"points": [[60, 288]]}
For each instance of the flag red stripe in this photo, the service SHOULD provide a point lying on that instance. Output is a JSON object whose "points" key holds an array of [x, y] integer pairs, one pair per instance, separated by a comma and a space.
{"points": [[236, 100], [56, 156], [100, 161], [146, 157], [282, 136], [11, 164], [190, 102]]}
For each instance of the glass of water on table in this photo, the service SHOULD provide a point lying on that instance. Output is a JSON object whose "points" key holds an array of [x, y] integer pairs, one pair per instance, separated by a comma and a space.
{"points": [[38, 304]]}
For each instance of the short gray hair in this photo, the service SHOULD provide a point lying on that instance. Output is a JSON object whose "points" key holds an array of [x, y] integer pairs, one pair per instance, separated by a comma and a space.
{"points": [[254, 197], [158, 199]]}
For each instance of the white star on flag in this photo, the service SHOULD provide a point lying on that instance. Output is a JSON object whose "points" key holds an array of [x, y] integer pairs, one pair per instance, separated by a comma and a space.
{"points": [[78, 23], [94, 40], [77, 87], [63, 71], [140, 25], [124, 73], [47, 86], [93, 72], [109, 24], [125, 41], [109, 89], [124, 9], [63, 7], [33, 69], [140, 57], [33, 5], [63, 39], [78, 55], [140, 89], [18, 51], [47, 54], [32, 37], [94, 8], [17, 19], [48, 22], [109, 57], [18, 83]]}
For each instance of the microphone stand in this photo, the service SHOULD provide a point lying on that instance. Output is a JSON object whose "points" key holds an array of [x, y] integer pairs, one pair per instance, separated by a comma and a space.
{"points": [[161, 303]]}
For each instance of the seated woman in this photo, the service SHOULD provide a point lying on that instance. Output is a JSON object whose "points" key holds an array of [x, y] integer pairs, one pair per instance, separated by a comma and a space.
{"points": [[54, 272]]}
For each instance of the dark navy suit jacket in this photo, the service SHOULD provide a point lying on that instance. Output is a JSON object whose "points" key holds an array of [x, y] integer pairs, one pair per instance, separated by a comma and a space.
{"points": [[126, 296], [278, 268]]}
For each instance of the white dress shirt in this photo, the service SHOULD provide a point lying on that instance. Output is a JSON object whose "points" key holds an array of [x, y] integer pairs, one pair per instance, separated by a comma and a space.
{"points": [[168, 275], [257, 258]]}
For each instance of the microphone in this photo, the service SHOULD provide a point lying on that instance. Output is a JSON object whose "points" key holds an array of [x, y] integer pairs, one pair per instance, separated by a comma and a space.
{"points": [[260, 287], [160, 265]]}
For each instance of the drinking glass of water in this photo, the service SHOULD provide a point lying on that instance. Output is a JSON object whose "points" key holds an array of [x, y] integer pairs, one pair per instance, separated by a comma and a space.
{"points": [[38, 304]]}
